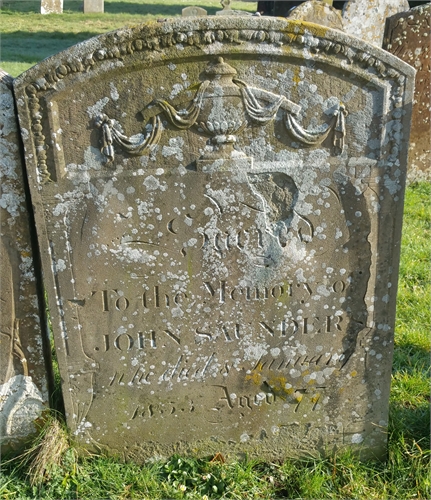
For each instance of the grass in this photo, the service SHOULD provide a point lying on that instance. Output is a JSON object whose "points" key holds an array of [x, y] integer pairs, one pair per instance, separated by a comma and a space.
{"points": [[28, 37], [404, 476], [51, 468]]}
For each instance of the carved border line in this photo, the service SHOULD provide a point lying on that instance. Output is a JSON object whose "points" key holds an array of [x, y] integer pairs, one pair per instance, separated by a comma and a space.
{"points": [[127, 45]]}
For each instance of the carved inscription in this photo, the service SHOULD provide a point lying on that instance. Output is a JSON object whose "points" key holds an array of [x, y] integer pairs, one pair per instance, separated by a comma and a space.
{"points": [[177, 318], [153, 338], [221, 292], [291, 401]]}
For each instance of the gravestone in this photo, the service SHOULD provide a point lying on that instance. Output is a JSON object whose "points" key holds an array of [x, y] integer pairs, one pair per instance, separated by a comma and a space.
{"points": [[407, 36], [94, 6], [366, 18], [228, 11], [219, 203], [51, 6], [314, 11], [194, 11], [23, 375]]}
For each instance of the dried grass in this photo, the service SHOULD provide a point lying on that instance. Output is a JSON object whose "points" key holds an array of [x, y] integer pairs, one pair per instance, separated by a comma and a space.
{"points": [[48, 453]]}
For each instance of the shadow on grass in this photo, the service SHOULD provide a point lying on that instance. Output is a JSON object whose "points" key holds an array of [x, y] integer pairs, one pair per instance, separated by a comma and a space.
{"points": [[409, 356], [155, 9], [33, 6], [20, 46], [411, 421]]}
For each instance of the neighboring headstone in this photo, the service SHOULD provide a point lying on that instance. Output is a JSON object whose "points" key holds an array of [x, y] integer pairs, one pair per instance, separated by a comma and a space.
{"points": [[366, 18], [23, 374], [194, 11], [407, 36], [51, 6], [315, 11], [219, 203], [94, 6], [228, 11]]}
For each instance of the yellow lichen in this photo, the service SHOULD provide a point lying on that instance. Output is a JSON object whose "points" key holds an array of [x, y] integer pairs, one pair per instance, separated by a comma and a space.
{"points": [[296, 78], [301, 27], [315, 398], [255, 376]]}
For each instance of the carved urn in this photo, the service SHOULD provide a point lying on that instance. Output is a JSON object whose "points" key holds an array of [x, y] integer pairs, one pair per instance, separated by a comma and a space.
{"points": [[223, 114]]}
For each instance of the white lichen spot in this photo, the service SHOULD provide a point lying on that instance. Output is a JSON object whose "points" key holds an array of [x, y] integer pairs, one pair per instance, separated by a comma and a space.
{"points": [[114, 92], [96, 109], [357, 438], [60, 265], [151, 183], [244, 438], [175, 148]]}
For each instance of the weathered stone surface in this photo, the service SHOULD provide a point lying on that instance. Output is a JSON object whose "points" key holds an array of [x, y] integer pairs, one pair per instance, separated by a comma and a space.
{"points": [[318, 12], [94, 6], [407, 36], [51, 6], [366, 18], [194, 11], [23, 376], [219, 203]]}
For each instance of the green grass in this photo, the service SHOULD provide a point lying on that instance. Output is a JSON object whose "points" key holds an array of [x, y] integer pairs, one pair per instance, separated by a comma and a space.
{"points": [[404, 476], [27, 37]]}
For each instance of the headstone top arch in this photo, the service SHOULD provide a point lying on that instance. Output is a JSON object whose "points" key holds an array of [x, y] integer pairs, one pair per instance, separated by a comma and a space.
{"points": [[210, 194], [194, 11], [366, 20]]}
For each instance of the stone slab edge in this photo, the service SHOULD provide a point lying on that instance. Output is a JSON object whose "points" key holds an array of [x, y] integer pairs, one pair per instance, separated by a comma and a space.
{"points": [[27, 379]]}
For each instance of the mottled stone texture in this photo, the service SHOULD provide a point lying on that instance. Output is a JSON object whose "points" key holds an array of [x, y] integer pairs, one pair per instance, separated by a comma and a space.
{"points": [[94, 6], [407, 36], [219, 203], [366, 18], [194, 11], [51, 6], [23, 376], [318, 12]]}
